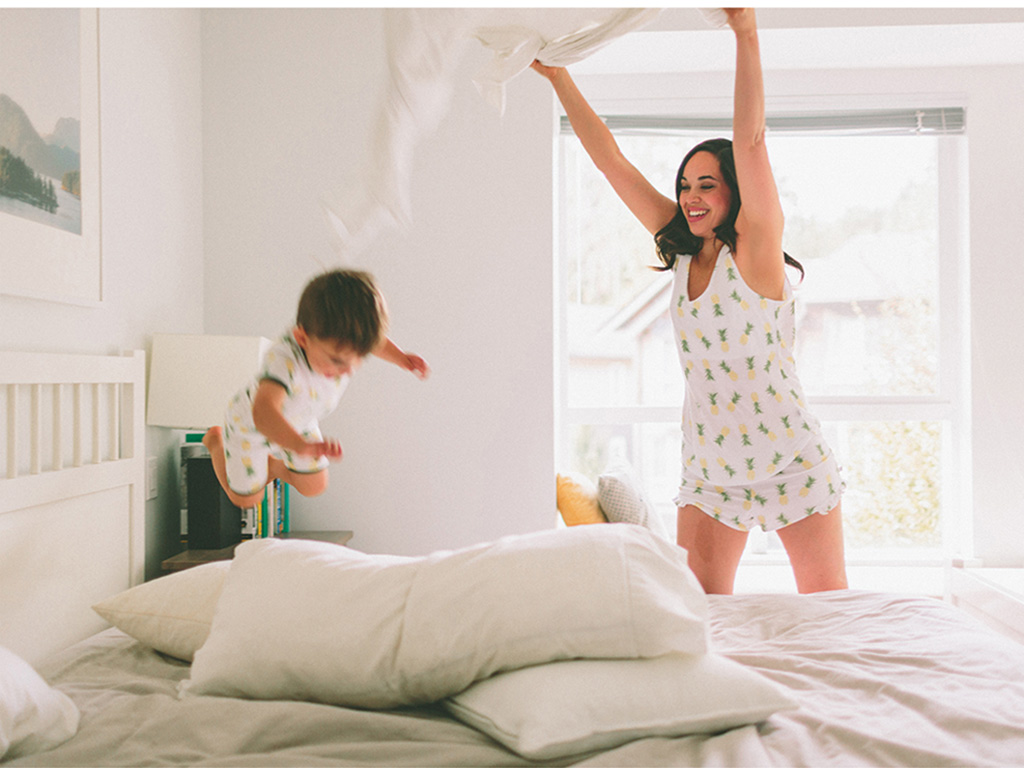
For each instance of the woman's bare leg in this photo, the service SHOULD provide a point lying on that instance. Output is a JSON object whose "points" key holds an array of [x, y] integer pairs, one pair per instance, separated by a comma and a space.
{"points": [[816, 552], [713, 549]]}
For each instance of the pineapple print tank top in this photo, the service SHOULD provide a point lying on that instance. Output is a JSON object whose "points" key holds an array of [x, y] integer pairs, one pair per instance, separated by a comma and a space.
{"points": [[748, 437]]}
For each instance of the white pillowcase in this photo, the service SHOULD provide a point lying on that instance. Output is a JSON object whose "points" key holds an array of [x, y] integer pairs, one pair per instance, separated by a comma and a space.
{"points": [[33, 715], [569, 707], [323, 623], [622, 501], [171, 614]]}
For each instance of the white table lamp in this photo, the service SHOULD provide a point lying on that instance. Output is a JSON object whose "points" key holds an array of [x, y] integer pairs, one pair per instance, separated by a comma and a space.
{"points": [[193, 377]]}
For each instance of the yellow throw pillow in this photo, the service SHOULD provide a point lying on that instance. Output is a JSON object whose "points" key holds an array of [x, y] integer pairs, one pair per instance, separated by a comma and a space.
{"points": [[577, 500]]}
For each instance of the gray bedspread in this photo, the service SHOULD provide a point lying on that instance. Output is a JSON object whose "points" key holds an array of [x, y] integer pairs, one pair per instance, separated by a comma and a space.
{"points": [[882, 680]]}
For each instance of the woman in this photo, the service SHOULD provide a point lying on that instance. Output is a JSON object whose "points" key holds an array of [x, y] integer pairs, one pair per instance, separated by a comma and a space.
{"points": [[752, 453]]}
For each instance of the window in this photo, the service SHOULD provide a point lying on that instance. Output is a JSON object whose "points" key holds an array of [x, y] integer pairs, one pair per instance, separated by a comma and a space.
{"points": [[873, 211]]}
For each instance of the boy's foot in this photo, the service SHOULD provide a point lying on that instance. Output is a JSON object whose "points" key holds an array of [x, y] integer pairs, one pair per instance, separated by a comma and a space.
{"points": [[214, 438]]}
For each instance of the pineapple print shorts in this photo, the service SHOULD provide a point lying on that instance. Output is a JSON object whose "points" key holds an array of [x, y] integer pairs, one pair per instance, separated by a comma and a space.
{"points": [[246, 456], [788, 496]]}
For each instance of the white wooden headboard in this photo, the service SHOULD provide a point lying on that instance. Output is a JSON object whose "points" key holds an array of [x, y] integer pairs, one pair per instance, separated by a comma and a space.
{"points": [[72, 493]]}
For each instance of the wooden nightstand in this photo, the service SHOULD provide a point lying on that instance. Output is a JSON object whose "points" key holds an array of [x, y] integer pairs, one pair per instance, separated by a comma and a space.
{"points": [[193, 557]]}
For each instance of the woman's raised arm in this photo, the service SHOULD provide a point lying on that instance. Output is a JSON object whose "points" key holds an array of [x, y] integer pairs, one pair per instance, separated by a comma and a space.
{"points": [[759, 225], [653, 209]]}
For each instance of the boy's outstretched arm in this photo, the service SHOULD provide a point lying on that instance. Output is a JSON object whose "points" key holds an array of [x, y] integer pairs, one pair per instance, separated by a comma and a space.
{"points": [[388, 350], [268, 417]]}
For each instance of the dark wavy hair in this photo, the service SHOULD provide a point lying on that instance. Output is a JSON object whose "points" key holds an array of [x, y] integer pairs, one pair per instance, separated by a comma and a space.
{"points": [[675, 238]]}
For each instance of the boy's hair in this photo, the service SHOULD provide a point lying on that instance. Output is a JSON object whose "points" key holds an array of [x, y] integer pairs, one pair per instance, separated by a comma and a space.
{"points": [[344, 306]]}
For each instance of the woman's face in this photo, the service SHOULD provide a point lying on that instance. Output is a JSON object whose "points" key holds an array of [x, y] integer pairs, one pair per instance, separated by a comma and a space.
{"points": [[704, 195]]}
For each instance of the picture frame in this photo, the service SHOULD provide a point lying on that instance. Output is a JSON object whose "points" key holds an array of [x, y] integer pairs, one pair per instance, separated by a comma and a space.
{"points": [[39, 260]]}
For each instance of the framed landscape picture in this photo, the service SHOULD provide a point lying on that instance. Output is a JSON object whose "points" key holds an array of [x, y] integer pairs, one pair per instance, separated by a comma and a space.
{"points": [[50, 244]]}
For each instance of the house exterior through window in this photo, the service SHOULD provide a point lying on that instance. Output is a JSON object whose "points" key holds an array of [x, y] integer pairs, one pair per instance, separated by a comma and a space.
{"points": [[873, 212]]}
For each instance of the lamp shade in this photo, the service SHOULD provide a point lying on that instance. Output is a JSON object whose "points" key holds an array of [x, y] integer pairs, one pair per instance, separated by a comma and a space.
{"points": [[192, 377]]}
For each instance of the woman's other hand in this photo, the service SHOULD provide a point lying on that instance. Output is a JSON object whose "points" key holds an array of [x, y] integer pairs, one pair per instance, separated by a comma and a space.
{"points": [[741, 20], [549, 72]]}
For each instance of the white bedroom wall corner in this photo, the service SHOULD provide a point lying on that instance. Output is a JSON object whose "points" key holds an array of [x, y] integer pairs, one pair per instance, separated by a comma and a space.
{"points": [[997, 351], [151, 74]]}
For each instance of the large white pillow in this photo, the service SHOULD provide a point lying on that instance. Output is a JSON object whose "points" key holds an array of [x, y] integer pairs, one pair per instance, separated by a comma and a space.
{"points": [[322, 623], [171, 614], [33, 715], [569, 707]]}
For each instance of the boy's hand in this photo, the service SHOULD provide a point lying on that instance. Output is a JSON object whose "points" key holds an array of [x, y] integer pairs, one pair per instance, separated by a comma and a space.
{"points": [[330, 448], [417, 365]]}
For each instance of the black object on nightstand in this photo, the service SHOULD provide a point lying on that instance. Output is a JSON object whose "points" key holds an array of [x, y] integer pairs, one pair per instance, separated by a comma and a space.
{"points": [[213, 521]]}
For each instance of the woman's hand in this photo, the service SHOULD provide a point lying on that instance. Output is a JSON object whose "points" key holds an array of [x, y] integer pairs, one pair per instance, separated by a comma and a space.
{"points": [[741, 20], [549, 72]]}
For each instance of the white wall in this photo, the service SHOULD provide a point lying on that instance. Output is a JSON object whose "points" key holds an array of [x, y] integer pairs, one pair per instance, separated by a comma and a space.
{"points": [[150, 74], [289, 100]]}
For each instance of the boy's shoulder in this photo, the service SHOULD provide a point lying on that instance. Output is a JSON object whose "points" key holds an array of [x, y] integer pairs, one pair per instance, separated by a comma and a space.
{"points": [[287, 345], [284, 357]]}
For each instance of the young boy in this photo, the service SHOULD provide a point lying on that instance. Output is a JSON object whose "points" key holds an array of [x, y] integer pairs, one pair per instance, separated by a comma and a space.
{"points": [[271, 427]]}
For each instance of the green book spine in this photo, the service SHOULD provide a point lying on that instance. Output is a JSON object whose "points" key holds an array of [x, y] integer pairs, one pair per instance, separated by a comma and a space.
{"points": [[286, 510]]}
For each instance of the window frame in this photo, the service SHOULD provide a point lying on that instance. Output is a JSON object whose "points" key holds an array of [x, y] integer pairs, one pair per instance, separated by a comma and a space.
{"points": [[950, 405]]}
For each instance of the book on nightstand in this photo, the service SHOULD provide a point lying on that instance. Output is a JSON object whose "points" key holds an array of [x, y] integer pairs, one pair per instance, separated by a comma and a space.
{"points": [[272, 517]]}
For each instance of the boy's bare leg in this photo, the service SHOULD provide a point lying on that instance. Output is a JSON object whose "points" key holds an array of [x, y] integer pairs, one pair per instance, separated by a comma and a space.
{"points": [[214, 442], [308, 484]]}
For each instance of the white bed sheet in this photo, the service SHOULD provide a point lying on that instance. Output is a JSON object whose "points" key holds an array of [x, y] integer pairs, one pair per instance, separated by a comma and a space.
{"points": [[882, 680]]}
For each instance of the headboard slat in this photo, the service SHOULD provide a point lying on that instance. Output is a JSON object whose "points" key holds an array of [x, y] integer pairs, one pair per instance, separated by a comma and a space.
{"points": [[95, 432], [12, 430], [36, 430], [114, 422], [58, 437], [76, 425]]}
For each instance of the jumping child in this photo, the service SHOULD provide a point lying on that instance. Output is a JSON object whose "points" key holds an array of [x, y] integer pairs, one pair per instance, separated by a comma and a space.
{"points": [[271, 428]]}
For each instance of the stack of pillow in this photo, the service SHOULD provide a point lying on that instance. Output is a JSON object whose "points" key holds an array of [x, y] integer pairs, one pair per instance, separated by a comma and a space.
{"points": [[617, 498], [552, 643]]}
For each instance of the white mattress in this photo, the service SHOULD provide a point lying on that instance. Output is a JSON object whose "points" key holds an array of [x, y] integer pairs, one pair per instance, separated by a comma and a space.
{"points": [[881, 679]]}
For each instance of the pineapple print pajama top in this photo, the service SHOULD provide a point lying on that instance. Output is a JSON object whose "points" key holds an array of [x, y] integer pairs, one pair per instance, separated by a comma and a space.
{"points": [[753, 455], [310, 397]]}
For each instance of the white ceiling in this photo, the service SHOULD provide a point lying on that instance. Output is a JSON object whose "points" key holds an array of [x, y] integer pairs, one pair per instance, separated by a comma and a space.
{"points": [[792, 38]]}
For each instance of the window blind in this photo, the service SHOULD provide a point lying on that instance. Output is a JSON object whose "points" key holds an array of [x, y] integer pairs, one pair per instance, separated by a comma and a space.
{"points": [[929, 121]]}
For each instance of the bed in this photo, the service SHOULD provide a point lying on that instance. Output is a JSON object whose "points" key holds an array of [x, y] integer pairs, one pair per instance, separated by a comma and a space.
{"points": [[841, 678]]}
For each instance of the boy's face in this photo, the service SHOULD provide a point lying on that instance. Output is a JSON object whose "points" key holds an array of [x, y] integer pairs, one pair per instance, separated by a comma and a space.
{"points": [[326, 356]]}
